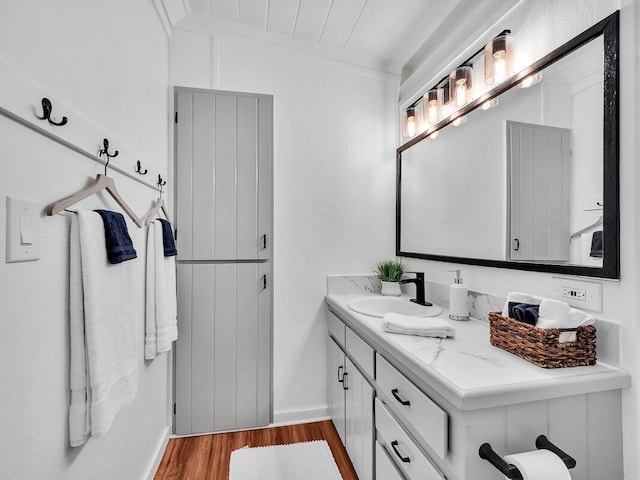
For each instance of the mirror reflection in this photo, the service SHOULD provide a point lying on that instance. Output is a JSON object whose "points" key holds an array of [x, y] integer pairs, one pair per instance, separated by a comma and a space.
{"points": [[520, 182]]}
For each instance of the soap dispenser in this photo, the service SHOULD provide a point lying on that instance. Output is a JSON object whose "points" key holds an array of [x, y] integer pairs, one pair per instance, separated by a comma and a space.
{"points": [[458, 309]]}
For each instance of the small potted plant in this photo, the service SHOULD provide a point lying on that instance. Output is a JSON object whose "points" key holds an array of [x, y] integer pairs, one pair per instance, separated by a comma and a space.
{"points": [[390, 272]]}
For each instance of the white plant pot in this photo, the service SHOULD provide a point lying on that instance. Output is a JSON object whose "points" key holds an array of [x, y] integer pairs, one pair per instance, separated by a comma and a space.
{"points": [[391, 289]]}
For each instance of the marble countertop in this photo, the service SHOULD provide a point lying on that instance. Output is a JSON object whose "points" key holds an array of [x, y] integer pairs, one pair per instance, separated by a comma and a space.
{"points": [[467, 370]]}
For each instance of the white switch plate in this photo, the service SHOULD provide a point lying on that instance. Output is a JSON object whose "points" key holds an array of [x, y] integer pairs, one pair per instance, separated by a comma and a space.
{"points": [[583, 294], [23, 230]]}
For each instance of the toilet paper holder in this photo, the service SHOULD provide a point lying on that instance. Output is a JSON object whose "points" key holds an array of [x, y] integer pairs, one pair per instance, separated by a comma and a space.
{"points": [[511, 471]]}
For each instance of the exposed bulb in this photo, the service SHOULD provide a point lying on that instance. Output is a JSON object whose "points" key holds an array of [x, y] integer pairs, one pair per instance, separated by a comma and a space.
{"points": [[434, 135], [499, 67], [433, 112], [411, 126], [461, 93]]}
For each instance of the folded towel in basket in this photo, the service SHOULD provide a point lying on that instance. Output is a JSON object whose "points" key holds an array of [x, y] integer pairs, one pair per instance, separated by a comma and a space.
{"points": [[119, 244], [419, 326], [515, 298]]}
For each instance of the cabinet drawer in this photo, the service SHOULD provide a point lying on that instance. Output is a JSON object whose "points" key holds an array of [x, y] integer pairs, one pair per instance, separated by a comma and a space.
{"points": [[414, 407], [362, 353], [385, 469], [402, 450], [336, 328]]}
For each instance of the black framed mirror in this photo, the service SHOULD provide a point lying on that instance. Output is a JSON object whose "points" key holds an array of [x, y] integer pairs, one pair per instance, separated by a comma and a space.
{"points": [[467, 197]]}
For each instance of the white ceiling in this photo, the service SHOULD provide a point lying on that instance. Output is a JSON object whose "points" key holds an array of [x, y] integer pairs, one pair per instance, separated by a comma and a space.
{"points": [[391, 36]]}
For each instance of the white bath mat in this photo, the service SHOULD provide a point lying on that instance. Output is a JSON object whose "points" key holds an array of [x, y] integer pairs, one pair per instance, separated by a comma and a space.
{"points": [[296, 461]]}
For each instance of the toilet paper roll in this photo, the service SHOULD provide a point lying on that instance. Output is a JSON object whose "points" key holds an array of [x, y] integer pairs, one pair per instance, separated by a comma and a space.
{"points": [[539, 465]]}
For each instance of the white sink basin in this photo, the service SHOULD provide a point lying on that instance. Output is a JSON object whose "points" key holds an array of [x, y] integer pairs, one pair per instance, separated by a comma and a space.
{"points": [[375, 306]]}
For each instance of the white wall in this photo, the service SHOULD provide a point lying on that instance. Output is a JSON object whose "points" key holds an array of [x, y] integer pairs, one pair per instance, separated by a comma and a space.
{"points": [[108, 63], [540, 26], [334, 177]]}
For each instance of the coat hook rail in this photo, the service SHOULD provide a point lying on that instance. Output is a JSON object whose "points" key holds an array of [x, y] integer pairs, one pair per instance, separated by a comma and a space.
{"points": [[161, 182], [46, 114], [139, 168], [105, 150]]}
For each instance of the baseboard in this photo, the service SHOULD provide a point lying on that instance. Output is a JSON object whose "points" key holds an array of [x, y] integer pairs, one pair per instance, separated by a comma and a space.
{"points": [[162, 446], [300, 416]]}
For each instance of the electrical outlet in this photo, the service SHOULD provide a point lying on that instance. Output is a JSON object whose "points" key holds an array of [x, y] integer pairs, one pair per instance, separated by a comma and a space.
{"points": [[574, 293], [582, 294]]}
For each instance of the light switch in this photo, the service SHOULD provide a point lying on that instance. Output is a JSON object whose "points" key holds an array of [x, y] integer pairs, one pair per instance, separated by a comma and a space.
{"points": [[26, 233], [23, 230]]}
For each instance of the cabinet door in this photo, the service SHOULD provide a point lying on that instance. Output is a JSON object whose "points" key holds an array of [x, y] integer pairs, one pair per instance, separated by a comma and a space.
{"points": [[359, 421], [336, 391], [223, 352], [223, 175]]}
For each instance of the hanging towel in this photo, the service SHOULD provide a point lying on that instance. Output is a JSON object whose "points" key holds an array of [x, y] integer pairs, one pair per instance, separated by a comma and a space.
{"points": [[104, 367], [168, 241], [161, 303], [422, 327], [596, 244], [118, 242]]}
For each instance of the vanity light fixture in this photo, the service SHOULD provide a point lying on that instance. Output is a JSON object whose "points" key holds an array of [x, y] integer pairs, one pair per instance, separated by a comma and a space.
{"points": [[410, 122], [432, 105], [498, 59], [531, 80], [460, 85]]}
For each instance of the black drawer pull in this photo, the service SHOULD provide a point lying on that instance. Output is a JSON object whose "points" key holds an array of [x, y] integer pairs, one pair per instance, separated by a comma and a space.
{"points": [[394, 445], [340, 378], [394, 392], [344, 381]]}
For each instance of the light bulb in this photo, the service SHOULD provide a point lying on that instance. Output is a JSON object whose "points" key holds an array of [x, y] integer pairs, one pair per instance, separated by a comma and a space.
{"points": [[433, 112], [434, 135], [411, 126], [461, 93], [499, 67], [531, 80]]}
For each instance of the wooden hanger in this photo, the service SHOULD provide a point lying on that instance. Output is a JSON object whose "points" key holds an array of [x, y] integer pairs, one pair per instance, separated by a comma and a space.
{"points": [[102, 182], [158, 207], [597, 223]]}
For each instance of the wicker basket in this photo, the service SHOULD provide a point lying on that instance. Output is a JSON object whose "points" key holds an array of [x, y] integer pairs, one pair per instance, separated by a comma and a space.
{"points": [[542, 346]]}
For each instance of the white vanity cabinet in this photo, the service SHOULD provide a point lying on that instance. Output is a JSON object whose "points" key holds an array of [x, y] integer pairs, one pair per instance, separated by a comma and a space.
{"points": [[351, 395], [427, 427]]}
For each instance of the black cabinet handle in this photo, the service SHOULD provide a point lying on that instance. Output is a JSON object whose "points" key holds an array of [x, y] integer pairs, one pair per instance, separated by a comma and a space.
{"points": [[394, 445], [516, 244], [264, 241], [264, 281], [344, 381], [394, 392], [340, 378]]}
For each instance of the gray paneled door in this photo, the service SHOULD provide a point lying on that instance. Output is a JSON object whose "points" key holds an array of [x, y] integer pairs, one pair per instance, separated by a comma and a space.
{"points": [[223, 378], [539, 192]]}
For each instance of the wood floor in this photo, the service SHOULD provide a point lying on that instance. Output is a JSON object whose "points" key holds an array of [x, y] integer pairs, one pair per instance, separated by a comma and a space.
{"points": [[206, 457]]}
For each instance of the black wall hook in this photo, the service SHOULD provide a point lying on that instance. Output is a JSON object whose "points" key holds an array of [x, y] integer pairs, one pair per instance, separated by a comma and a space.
{"points": [[46, 114], [105, 150], [139, 168], [161, 183]]}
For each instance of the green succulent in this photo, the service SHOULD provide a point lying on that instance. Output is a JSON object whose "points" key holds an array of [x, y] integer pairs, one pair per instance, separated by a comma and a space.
{"points": [[390, 270]]}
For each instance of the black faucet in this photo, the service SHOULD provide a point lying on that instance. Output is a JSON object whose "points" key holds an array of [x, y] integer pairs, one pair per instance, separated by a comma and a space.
{"points": [[419, 281]]}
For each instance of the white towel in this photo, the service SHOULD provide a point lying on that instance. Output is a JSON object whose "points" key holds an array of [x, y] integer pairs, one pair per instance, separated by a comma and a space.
{"points": [[577, 318], [104, 367], [518, 297], [553, 314], [419, 326], [161, 327]]}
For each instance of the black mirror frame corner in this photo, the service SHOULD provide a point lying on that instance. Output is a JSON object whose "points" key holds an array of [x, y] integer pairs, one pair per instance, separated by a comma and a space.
{"points": [[609, 29]]}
